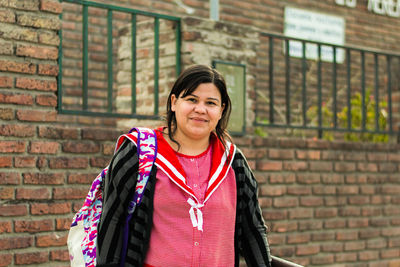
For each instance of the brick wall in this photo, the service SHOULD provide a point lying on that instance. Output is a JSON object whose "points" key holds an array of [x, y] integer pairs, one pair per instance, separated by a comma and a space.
{"points": [[326, 203]]}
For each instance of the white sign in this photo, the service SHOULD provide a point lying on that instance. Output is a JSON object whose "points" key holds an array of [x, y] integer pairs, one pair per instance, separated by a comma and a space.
{"points": [[382, 7], [314, 26]]}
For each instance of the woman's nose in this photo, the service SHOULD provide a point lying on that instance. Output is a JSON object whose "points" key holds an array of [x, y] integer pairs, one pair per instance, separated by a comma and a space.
{"points": [[200, 108]]}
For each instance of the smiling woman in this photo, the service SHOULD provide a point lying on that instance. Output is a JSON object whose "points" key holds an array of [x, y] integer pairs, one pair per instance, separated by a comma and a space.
{"points": [[200, 205]]}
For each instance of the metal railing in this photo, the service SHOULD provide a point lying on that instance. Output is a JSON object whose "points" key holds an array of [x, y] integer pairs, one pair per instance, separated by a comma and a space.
{"points": [[325, 87], [81, 91]]}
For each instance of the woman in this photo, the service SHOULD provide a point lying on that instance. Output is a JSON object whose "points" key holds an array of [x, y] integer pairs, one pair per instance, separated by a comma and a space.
{"points": [[200, 206]]}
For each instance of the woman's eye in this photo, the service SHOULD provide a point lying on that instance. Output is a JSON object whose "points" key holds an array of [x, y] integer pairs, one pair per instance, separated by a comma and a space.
{"points": [[212, 103], [191, 100]]}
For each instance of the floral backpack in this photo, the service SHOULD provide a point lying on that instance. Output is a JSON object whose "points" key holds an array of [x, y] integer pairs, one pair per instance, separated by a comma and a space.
{"points": [[82, 236]]}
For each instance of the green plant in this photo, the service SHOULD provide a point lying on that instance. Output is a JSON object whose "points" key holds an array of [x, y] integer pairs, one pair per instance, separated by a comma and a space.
{"points": [[356, 118]]}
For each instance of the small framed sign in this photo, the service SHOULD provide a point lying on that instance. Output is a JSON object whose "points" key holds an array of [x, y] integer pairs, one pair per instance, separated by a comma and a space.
{"points": [[235, 78]]}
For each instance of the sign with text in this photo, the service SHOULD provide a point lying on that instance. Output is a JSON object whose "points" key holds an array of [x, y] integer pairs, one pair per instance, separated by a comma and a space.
{"points": [[235, 78], [304, 24], [382, 7]]}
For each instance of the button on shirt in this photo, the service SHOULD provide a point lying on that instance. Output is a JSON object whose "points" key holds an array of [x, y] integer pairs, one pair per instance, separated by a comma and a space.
{"points": [[174, 240]]}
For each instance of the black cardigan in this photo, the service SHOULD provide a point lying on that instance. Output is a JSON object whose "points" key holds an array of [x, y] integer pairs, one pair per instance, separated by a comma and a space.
{"points": [[118, 188]]}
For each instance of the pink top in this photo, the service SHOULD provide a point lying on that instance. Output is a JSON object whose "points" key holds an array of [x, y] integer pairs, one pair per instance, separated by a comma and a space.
{"points": [[175, 238]]}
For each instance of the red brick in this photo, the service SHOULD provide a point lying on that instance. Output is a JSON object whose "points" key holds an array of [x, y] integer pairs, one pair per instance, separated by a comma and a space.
{"points": [[270, 215], [300, 213], [58, 132], [321, 166], [6, 114], [326, 212], [267, 190], [310, 225], [308, 154], [13, 210], [345, 166], [346, 257], [308, 178], [68, 163], [6, 162], [12, 146], [81, 178], [17, 130], [275, 239], [25, 5], [100, 134], [31, 226], [285, 202], [393, 231], [63, 223], [59, 255], [376, 243], [332, 247], [19, 67], [282, 178], [101, 162], [311, 201], [81, 147], [43, 178], [390, 189], [323, 260], [70, 193], [36, 84], [324, 190], [10, 178], [38, 147], [346, 235], [299, 190], [48, 70], [46, 100], [6, 193], [348, 190], [280, 154], [51, 6], [32, 194], [50, 208], [108, 149], [6, 82], [37, 115], [15, 242], [25, 162], [307, 250], [283, 227], [323, 236], [367, 167], [368, 255], [19, 99], [5, 227], [269, 165], [298, 238], [295, 165], [354, 245], [31, 258], [390, 253], [51, 240], [6, 260], [39, 52]]}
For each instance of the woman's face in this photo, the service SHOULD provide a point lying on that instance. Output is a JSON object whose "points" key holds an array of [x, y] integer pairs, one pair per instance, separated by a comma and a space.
{"points": [[197, 114]]}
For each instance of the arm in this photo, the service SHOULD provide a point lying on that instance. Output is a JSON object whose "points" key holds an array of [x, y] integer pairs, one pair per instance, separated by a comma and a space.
{"points": [[253, 242], [118, 189]]}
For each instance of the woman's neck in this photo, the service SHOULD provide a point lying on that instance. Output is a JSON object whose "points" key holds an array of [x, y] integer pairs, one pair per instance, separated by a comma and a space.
{"points": [[188, 146]]}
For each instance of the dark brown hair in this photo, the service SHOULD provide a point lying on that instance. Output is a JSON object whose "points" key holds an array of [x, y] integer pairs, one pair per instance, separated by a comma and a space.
{"points": [[187, 83]]}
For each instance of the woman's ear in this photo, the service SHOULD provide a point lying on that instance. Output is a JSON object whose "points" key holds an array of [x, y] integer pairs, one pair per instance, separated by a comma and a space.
{"points": [[173, 102]]}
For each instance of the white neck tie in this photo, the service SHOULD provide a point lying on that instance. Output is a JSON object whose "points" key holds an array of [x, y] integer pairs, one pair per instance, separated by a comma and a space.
{"points": [[196, 222]]}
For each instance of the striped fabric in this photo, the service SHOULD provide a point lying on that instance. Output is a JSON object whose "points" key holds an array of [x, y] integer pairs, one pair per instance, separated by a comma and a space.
{"points": [[250, 234]]}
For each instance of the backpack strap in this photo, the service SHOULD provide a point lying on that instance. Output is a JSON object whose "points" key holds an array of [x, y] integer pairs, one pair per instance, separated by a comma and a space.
{"points": [[87, 218], [147, 152]]}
